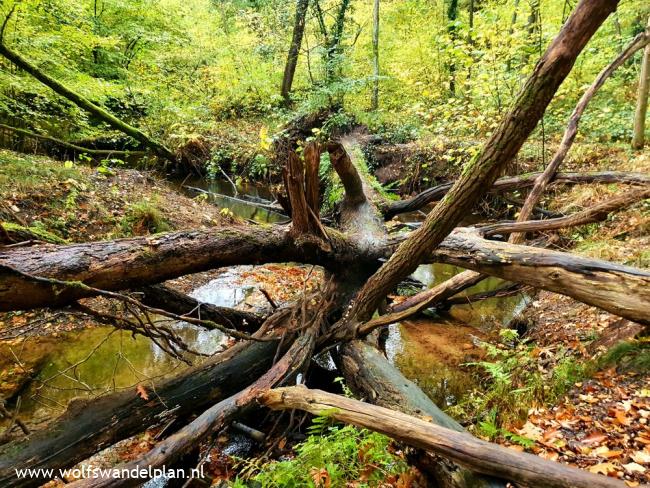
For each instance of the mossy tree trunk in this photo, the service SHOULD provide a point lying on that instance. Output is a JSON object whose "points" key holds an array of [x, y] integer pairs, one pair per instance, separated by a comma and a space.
{"points": [[85, 104]]}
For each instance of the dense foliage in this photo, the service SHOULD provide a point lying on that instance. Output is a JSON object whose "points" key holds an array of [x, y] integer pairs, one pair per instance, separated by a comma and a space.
{"points": [[178, 69]]}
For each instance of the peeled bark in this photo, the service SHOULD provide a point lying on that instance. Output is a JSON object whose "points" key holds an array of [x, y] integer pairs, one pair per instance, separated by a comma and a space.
{"points": [[85, 104], [621, 290], [570, 133], [462, 448]]}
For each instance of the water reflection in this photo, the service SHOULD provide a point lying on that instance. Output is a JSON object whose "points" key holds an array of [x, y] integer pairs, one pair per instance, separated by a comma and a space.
{"points": [[431, 351], [222, 194]]}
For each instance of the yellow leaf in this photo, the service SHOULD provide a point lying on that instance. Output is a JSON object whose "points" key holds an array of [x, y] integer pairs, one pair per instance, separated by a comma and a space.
{"points": [[602, 468]]}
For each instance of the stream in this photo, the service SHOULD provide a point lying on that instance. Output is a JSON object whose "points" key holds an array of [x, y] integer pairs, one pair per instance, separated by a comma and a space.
{"points": [[87, 362]]}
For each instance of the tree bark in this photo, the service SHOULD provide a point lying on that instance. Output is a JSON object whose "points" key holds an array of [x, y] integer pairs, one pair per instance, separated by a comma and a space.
{"points": [[638, 139], [132, 263], [294, 48], [462, 448], [480, 174], [621, 290], [86, 104], [570, 133], [511, 183], [88, 426]]}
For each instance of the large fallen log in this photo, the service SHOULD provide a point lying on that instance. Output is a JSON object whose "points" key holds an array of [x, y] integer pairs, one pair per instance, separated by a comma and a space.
{"points": [[512, 183], [131, 263], [90, 425], [621, 290], [478, 455], [369, 374]]}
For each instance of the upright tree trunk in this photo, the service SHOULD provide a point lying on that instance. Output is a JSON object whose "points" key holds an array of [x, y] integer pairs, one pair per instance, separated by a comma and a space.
{"points": [[334, 42], [638, 140], [452, 15], [294, 48], [375, 54]]}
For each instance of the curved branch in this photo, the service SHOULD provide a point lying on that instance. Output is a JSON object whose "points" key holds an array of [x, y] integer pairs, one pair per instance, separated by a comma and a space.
{"points": [[572, 130], [476, 454]]}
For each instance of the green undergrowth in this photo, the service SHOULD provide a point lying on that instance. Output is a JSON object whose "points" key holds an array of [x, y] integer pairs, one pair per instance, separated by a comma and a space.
{"points": [[21, 173], [510, 383], [143, 217], [629, 356], [333, 455]]}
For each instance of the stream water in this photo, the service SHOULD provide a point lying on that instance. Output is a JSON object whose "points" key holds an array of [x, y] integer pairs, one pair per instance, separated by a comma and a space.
{"points": [[100, 359]]}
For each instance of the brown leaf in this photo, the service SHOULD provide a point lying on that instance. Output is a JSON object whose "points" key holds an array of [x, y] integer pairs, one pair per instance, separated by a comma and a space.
{"points": [[142, 392], [602, 468], [594, 438]]}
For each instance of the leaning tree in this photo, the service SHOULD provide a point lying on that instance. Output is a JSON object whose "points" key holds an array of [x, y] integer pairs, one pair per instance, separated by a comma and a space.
{"points": [[363, 263]]}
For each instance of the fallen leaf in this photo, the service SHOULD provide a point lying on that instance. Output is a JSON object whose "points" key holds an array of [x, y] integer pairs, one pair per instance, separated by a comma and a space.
{"points": [[594, 438], [602, 468], [142, 392], [641, 457], [634, 468]]}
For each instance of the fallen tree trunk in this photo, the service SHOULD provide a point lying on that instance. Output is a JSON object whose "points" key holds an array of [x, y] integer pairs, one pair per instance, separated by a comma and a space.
{"points": [[68, 145], [88, 426], [478, 455], [511, 183], [370, 375], [131, 263], [589, 215], [162, 296], [621, 290], [84, 103]]}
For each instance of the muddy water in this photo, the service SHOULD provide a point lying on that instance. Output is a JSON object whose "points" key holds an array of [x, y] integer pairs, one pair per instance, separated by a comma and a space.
{"points": [[431, 351], [89, 362], [222, 194]]}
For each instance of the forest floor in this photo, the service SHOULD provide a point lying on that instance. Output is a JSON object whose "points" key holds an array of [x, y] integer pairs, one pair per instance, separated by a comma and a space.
{"points": [[597, 420]]}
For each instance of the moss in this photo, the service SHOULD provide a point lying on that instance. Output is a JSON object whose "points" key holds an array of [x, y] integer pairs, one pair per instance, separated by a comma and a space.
{"points": [[143, 217], [21, 233]]}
